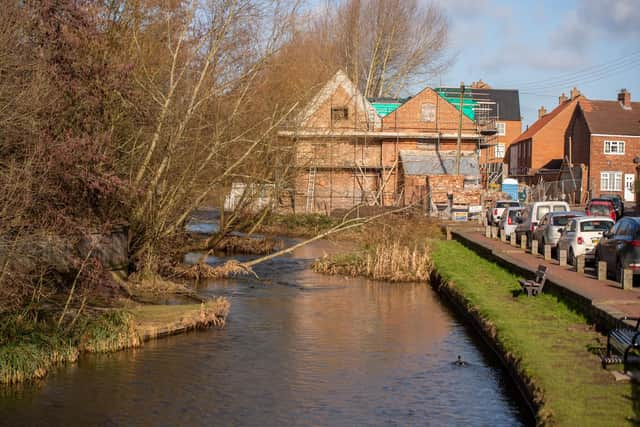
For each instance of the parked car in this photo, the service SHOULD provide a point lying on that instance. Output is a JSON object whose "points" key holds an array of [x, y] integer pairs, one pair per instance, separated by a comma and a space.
{"points": [[582, 235], [495, 212], [547, 231], [618, 204], [508, 222], [601, 207], [620, 247], [531, 215]]}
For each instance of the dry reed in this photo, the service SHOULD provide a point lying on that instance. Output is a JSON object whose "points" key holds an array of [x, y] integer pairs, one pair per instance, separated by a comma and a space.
{"points": [[391, 262], [202, 271]]}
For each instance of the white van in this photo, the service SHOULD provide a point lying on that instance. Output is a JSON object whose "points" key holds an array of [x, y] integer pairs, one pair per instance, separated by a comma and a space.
{"points": [[531, 215]]}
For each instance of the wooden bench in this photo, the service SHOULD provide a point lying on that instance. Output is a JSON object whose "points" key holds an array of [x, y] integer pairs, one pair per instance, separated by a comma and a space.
{"points": [[624, 340], [534, 287]]}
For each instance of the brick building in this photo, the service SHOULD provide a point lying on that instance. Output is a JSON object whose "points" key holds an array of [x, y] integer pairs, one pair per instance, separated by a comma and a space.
{"points": [[539, 150], [604, 137], [382, 152], [500, 106]]}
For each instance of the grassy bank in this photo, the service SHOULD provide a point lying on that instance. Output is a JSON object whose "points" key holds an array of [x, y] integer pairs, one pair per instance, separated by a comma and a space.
{"points": [[30, 348], [551, 344]]}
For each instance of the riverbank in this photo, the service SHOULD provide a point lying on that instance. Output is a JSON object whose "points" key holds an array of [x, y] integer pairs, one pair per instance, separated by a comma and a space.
{"points": [[30, 348], [550, 347]]}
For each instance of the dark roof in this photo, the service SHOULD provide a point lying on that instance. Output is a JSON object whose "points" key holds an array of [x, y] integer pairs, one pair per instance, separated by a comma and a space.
{"points": [[542, 122], [416, 162], [507, 101], [609, 117], [389, 100]]}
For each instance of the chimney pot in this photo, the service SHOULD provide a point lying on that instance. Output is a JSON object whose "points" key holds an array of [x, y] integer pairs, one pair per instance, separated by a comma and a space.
{"points": [[624, 97], [541, 112], [575, 93], [562, 98]]}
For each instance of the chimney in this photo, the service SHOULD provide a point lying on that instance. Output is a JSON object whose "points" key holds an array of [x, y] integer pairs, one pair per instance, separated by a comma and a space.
{"points": [[575, 93], [562, 98], [624, 97], [541, 112]]}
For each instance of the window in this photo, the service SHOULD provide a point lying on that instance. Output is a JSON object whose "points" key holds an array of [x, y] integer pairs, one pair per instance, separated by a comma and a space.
{"points": [[502, 128], [610, 181], [339, 113], [427, 112], [572, 226], [499, 151], [614, 147], [588, 226]]}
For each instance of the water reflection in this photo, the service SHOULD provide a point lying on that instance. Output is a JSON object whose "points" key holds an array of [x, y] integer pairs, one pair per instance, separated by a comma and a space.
{"points": [[304, 350]]}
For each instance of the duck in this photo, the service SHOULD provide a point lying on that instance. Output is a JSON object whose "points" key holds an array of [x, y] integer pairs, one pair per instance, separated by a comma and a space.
{"points": [[460, 362]]}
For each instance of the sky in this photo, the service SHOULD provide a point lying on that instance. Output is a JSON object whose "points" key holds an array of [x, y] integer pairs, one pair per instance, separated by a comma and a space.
{"points": [[545, 47]]}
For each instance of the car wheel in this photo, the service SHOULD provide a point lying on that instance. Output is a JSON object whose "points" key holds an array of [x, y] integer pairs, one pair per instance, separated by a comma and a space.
{"points": [[541, 246], [529, 237], [572, 257]]}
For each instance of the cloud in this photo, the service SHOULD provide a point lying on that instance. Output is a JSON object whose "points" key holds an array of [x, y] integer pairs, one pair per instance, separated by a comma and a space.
{"points": [[618, 18], [572, 34], [518, 56]]}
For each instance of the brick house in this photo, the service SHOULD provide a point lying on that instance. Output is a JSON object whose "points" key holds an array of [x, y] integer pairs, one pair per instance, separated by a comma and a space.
{"points": [[350, 150], [604, 137], [539, 150]]}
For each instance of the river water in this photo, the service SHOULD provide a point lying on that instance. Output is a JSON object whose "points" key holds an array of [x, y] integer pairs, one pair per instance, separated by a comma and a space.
{"points": [[300, 349]]}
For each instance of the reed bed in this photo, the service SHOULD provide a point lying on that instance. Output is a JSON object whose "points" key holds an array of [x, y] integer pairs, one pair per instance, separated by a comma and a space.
{"points": [[202, 271], [109, 332], [30, 350], [392, 262]]}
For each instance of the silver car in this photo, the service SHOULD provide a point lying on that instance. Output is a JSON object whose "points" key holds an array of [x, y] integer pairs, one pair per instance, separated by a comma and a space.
{"points": [[508, 221], [548, 230]]}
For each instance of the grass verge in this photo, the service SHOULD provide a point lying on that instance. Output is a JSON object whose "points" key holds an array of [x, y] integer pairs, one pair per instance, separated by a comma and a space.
{"points": [[547, 342]]}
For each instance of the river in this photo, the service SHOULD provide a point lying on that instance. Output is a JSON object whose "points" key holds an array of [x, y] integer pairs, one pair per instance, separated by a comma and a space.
{"points": [[300, 349]]}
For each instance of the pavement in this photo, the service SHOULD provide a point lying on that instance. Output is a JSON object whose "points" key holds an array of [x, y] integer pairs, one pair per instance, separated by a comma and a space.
{"points": [[605, 296]]}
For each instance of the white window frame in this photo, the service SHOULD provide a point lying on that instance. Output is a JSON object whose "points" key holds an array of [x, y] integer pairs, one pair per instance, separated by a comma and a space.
{"points": [[501, 127], [499, 151], [614, 147], [610, 181]]}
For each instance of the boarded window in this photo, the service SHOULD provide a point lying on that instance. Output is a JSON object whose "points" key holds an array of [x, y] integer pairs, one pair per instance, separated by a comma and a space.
{"points": [[339, 113], [427, 112]]}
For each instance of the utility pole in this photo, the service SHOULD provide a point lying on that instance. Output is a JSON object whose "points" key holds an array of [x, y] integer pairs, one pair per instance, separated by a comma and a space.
{"points": [[459, 131]]}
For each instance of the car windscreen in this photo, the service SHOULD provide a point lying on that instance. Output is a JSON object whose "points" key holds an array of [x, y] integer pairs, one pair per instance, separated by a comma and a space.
{"points": [[595, 225], [562, 220], [506, 204], [559, 208], [599, 210], [514, 213]]}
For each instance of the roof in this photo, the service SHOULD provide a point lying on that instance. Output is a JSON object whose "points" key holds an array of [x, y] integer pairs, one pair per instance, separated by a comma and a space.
{"points": [[418, 162], [385, 106], [610, 118], [542, 122], [339, 79], [507, 101]]}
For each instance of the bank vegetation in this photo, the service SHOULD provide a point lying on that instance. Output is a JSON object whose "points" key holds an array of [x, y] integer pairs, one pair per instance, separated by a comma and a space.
{"points": [[124, 116]]}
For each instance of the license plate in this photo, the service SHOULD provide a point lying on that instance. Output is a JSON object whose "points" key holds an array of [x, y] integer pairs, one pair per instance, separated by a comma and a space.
{"points": [[595, 241]]}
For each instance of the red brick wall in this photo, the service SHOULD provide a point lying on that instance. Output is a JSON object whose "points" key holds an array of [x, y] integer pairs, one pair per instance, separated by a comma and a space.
{"points": [[600, 162], [407, 117], [357, 119], [548, 142], [513, 129], [577, 139]]}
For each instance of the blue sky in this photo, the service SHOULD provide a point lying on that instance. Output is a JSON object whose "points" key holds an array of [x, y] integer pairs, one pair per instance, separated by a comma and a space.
{"points": [[545, 47]]}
